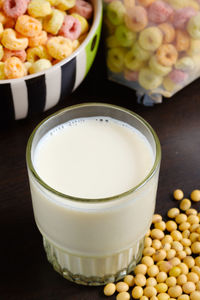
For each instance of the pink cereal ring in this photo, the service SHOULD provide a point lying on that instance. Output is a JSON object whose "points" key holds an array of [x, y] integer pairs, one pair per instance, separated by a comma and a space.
{"points": [[82, 8], [15, 8], [159, 12], [21, 54], [131, 75], [71, 28], [178, 76], [182, 16]]}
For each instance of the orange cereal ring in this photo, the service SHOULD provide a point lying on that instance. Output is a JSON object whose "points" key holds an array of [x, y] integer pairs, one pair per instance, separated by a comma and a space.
{"points": [[21, 54], [6, 21], [10, 23], [14, 68], [38, 40], [55, 61], [167, 55], [28, 26], [146, 3], [168, 32], [136, 18], [182, 40]]}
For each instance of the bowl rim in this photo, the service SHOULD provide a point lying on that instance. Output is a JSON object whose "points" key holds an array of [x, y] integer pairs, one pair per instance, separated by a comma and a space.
{"points": [[98, 10]]}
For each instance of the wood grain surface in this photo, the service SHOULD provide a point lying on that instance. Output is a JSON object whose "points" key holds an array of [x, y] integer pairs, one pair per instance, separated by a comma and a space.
{"points": [[26, 274]]}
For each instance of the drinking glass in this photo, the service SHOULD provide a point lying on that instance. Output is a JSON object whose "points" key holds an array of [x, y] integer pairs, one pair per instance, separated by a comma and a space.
{"points": [[93, 241]]}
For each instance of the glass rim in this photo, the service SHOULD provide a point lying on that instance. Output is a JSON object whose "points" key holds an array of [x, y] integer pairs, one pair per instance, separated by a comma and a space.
{"points": [[93, 200]]}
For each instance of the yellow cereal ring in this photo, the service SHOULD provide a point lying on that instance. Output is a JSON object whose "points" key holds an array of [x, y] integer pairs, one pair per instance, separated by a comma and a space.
{"points": [[75, 44], [27, 65], [112, 42], [140, 53], [83, 21], [115, 12], [82, 37], [129, 3], [194, 48], [196, 60], [65, 4], [194, 4], [11, 42], [157, 68], [28, 26], [178, 4], [59, 47], [14, 68], [146, 3], [1, 51], [53, 2], [2, 18], [182, 40], [2, 73], [150, 38], [38, 40], [39, 65], [185, 63], [132, 62], [168, 32], [1, 29], [167, 55], [169, 85], [37, 52], [53, 22], [39, 8], [148, 79], [115, 59]]}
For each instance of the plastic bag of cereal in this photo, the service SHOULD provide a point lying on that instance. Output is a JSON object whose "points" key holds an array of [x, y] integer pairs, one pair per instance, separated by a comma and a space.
{"points": [[152, 46]]}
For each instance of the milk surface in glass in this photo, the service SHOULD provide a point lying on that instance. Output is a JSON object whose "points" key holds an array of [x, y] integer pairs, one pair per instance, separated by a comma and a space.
{"points": [[93, 241], [93, 158]]}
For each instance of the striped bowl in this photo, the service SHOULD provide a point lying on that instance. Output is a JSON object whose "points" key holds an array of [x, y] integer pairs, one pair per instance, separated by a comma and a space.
{"points": [[33, 94]]}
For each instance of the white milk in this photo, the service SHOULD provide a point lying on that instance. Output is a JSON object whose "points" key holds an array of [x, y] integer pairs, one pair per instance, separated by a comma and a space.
{"points": [[93, 158]]}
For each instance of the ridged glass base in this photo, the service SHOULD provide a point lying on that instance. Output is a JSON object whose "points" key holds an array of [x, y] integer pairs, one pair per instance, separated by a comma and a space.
{"points": [[93, 270]]}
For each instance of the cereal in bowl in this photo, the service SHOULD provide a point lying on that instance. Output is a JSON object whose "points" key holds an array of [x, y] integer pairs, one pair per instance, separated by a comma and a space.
{"points": [[36, 34]]}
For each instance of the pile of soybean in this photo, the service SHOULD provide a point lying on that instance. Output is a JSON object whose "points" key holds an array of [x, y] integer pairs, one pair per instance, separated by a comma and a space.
{"points": [[170, 265]]}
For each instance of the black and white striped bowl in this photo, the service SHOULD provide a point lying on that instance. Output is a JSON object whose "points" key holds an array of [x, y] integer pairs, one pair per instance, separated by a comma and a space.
{"points": [[36, 93]]}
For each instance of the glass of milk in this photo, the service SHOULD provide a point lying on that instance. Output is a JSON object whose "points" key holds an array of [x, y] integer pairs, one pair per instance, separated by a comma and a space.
{"points": [[93, 171]]}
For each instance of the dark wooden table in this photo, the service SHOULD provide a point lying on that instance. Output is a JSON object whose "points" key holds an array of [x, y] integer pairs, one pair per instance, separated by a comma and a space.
{"points": [[26, 274]]}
